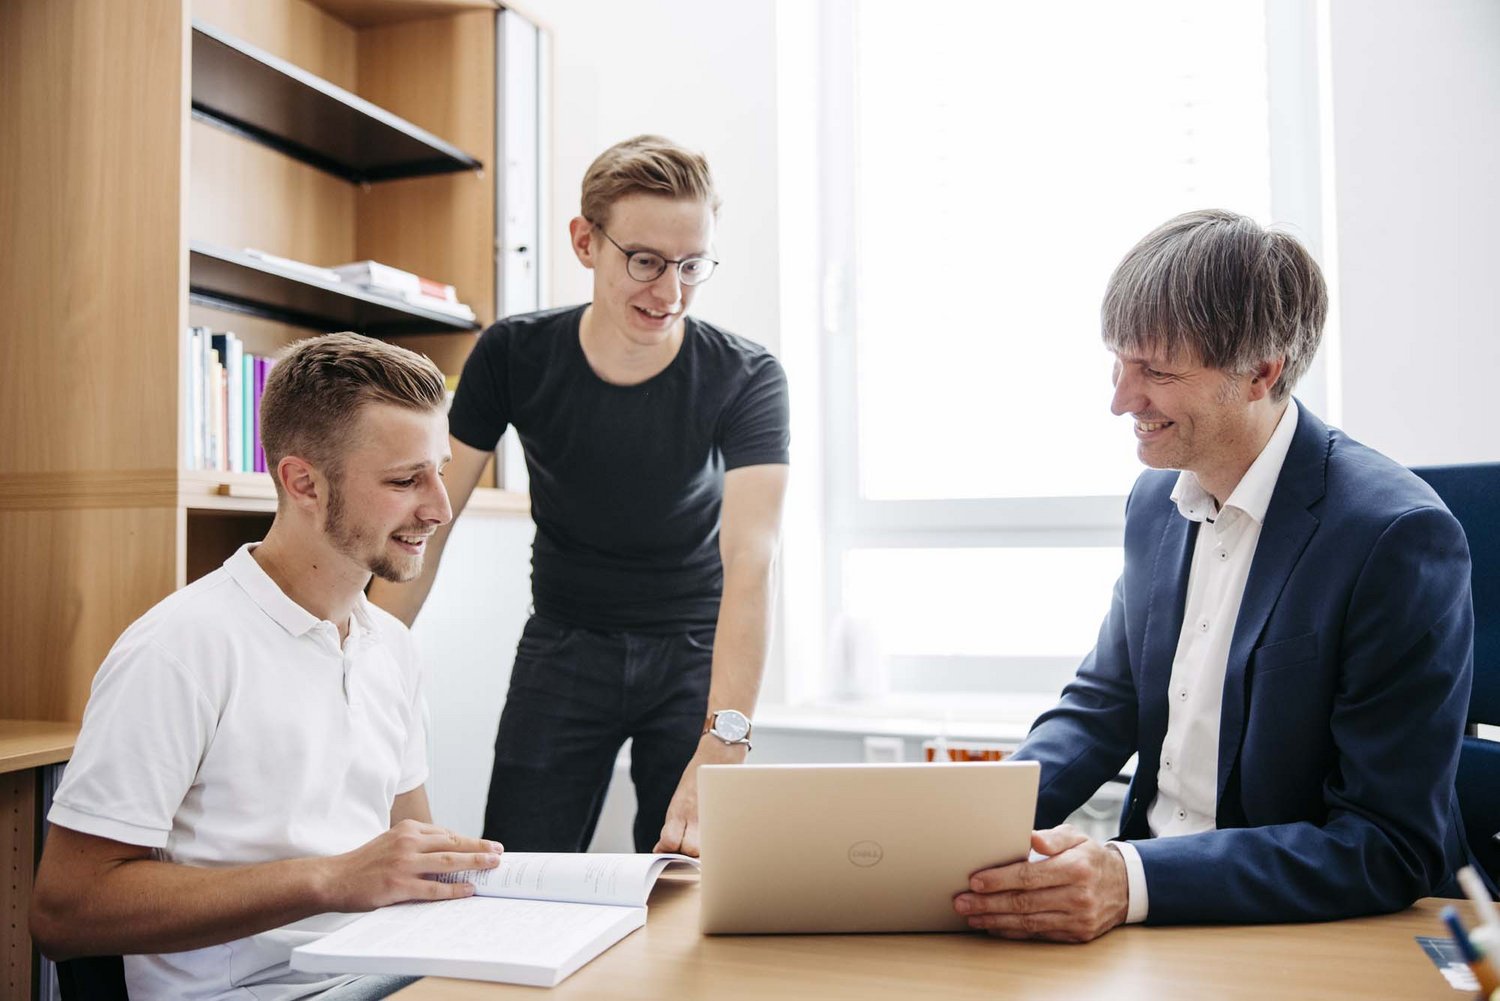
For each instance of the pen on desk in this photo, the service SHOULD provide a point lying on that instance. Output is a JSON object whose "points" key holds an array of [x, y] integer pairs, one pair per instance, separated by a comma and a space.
{"points": [[1473, 888], [1484, 970]]}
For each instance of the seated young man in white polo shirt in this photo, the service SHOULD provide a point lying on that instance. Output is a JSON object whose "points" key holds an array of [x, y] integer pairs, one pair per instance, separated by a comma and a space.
{"points": [[252, 758]]}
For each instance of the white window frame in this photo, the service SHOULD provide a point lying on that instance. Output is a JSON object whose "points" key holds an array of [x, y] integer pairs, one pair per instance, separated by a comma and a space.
{"points": [[1301, 163]]}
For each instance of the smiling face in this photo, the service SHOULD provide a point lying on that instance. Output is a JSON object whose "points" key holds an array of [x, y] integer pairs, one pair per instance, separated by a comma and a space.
{"points": [[645, 314], [1188, 416], [388, 497]]}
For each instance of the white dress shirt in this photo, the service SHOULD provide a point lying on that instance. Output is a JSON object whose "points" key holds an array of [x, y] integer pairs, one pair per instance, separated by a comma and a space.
{"points": [[1187, 777]]}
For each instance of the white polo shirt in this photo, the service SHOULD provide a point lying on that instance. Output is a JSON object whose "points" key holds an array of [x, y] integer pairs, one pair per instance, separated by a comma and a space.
{"points": [[228, 726]]}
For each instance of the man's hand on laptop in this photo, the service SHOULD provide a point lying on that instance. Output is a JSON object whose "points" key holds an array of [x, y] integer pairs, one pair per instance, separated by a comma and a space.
{"points": [[395, 867], [1076, 894], [680, 831]]}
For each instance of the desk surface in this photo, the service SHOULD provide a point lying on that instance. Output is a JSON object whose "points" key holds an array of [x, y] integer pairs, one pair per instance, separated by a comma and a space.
{"points": [[1363, 958], [26, 743]]}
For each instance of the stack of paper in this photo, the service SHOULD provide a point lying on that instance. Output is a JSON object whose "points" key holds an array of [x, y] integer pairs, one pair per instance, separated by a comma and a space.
{"points": [[414, 290]]}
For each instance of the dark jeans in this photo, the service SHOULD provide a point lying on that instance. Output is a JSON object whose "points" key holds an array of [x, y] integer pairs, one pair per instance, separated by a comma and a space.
{"points": [[575, 696]]}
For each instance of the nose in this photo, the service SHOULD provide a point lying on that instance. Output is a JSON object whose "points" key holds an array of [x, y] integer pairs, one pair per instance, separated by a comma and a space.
{"points": [[668, 286], [436, 508], [1128, 398]]}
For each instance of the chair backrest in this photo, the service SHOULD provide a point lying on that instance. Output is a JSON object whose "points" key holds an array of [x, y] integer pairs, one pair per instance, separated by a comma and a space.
{"points": [[92, 978], [1472, 493]]}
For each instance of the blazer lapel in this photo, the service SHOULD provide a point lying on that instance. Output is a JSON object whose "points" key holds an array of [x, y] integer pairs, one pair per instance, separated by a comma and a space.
{"points": [[1288, 527]]}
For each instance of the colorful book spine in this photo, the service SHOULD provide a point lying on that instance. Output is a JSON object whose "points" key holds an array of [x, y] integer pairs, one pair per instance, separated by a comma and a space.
{"points": [[247, 414], [258, 452], [193, 429], [224, 385]]}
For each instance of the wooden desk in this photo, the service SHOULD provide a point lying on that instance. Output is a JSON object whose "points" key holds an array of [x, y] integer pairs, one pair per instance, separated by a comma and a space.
{"points": [[1364, 958], [25, 747]]}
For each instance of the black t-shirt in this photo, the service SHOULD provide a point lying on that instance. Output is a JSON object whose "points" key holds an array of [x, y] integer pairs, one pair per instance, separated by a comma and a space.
{"points": [[626, 481]]}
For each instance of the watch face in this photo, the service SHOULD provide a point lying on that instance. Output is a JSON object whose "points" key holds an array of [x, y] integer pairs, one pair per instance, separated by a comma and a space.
{"points": [[731, 725]]}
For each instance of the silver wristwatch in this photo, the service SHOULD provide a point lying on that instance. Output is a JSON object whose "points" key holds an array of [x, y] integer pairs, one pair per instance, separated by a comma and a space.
{"points": [[729, 725]]}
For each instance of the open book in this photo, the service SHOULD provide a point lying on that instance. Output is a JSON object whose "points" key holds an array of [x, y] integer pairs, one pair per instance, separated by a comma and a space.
{"points": [[534, 919]]}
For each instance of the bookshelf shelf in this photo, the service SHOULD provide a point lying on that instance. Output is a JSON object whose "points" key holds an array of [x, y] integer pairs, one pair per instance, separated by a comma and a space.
{"points": [[234, 281], [253, 493], [252, 93]]}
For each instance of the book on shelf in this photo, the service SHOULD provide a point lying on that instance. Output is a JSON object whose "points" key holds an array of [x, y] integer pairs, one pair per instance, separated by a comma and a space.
{"points": [[224, 387], [383, 279], [535, 919], [439, 305]]}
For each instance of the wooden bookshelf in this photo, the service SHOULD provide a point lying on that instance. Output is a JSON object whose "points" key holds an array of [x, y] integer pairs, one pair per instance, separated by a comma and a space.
{"points": [[235, 282], [253, 93], [209, 491], [144, 146]]}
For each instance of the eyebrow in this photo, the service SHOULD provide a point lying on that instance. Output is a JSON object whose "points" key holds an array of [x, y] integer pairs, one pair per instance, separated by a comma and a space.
{"points": [[638, 248], [415, 467]]}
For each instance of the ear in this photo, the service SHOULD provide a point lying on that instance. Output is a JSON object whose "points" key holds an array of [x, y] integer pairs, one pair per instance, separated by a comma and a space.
{"points": [[300, 482], [581, 236], [1265, 376]]}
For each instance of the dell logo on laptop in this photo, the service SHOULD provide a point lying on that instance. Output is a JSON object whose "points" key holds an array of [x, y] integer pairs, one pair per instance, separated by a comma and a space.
{"points": [[866, 853]]}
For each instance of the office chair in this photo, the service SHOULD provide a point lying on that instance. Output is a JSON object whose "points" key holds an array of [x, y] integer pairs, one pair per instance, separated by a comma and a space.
{"points": [[1472, 493], [92, 978]]}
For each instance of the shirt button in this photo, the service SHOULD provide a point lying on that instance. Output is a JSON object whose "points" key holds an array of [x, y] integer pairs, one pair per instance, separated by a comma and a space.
{"points": [[1181, 814], [1203, 625], [1182, 695], [1223, 555], [1167, 763]]}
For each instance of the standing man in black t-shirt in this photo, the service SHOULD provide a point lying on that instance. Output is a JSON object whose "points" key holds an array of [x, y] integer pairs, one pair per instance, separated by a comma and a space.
{"points": [[657, 451]]}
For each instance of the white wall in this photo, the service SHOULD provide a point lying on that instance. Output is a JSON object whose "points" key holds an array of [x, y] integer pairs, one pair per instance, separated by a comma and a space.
{"points": [[467, 634], [1416, 165], [701, 74]]}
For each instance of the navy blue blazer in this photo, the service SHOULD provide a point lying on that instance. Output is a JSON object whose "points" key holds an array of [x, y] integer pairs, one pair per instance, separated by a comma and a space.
{"points": [[1344, 702]]}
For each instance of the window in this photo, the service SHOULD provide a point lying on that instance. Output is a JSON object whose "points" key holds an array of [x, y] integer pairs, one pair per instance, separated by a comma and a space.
{"points": [[984, 167]]}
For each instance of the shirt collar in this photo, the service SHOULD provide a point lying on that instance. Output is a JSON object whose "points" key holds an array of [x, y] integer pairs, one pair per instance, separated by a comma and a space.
{"points": [[1252, 494], [282, 609]]}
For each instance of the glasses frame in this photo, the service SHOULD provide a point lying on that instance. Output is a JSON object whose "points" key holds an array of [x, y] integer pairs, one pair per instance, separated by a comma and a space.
{"points": [[630, 257]]}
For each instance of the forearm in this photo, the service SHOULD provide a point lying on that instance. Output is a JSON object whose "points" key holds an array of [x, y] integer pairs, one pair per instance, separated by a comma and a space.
{"points": [[743, 636], [1279, 873], [146, 906]]}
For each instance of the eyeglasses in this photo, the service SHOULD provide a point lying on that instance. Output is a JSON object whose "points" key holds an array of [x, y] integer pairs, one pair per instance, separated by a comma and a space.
{"points": [[647, 265]]}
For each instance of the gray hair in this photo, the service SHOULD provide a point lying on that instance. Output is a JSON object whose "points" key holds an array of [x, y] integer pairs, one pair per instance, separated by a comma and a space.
{"points": [[1217, 287]]}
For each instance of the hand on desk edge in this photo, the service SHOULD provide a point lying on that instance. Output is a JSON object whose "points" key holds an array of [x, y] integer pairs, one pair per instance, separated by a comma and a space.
{"points": [[1079, 892], [679, 833]]}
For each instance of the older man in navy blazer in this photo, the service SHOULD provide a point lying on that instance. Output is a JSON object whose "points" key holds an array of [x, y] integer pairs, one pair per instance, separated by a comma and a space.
{"points": [[1289, 648]]}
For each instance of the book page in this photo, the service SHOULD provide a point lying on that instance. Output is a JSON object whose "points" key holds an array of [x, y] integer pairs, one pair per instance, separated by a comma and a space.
{"points": [[580, 877]]}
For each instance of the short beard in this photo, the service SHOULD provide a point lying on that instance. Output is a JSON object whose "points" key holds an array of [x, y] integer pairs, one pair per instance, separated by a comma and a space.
{"points": [[347, 541]]}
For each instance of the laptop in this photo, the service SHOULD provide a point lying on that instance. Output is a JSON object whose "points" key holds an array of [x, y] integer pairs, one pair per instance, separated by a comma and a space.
{"points": [[855, 847]]}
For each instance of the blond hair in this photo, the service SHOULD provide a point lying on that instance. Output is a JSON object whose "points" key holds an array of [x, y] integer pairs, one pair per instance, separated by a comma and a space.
{"points": [[313, 396], [648, 165]]}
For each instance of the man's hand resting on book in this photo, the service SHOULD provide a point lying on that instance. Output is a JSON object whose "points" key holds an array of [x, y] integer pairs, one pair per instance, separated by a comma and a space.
{"points": [[680, 832], [1079, 892], [392, 868]]}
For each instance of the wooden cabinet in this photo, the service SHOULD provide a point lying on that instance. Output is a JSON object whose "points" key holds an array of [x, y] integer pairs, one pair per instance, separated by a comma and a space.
{"points": [[143, 148], [29, 754]]}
